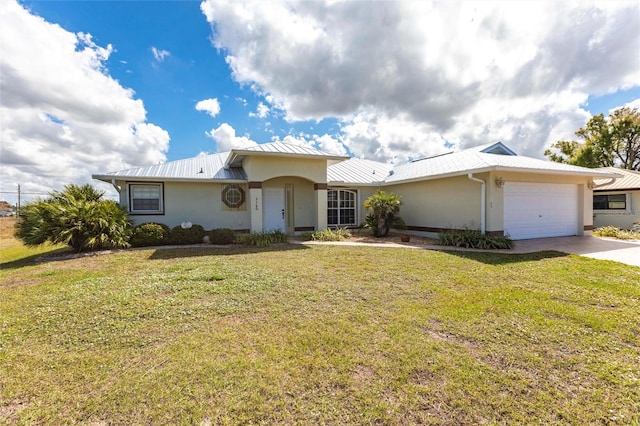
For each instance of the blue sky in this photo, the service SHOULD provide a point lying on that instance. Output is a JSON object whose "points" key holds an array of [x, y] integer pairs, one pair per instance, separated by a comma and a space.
{"points": [[96, 86], [170, 86]]}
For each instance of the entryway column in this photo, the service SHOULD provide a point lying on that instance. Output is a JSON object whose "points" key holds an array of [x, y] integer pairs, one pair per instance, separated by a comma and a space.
{"points": [[255, 204], [321, 206]]}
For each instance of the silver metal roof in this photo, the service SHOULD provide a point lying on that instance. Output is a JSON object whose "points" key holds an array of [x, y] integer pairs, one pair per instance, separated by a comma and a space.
{"points": [[629, 180], [202, 167], [357, 171], [280, 149], [225, 166], [472, 161]]}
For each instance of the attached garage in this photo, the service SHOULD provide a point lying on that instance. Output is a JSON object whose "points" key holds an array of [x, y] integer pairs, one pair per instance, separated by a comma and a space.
{"points": [[539, 210]]}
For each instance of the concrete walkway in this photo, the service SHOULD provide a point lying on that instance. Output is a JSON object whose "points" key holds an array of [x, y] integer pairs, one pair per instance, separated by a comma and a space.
{"points": [[598, 248], [627, 252]]}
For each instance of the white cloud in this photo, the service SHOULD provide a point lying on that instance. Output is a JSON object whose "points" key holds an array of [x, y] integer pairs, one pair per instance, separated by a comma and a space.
{"points": [[633, 104], [329, 144], [159, 54], [226, 139], [406, 78], [210, 106], [261, 112], [63, 116]]}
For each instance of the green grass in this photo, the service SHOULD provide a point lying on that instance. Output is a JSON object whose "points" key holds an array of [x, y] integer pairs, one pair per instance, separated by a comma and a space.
{"points": [[319, 335]]}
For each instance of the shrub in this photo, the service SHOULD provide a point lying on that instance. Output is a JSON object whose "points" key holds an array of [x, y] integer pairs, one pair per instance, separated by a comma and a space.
{"points": [[473, 238], [385, 213], [338, 234], [222, 236], [613, 232], [181, 236], [263, 239], [78, 217], [149, 234]]}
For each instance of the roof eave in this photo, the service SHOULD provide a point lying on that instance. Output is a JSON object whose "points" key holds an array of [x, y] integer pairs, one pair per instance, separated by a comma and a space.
{"points": [[110, 178], [616, 189], [345, 183], [556, 172], [237, 156]]}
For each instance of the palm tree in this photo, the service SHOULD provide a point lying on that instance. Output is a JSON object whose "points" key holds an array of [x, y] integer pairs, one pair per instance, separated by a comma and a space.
{"points": [[78, 217], [385, 209]]}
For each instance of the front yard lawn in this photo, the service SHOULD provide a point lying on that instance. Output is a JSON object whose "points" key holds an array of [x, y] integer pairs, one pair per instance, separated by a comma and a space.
{"points": [[319, 335]]}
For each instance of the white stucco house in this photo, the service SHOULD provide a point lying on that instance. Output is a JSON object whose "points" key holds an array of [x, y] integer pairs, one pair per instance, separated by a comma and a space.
{"points": [[295, 188], [616, 202]]}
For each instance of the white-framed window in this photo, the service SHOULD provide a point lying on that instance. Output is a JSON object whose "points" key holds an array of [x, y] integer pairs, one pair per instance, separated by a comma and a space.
{"points": [[341, 207], [146, 198], [610, 201]]}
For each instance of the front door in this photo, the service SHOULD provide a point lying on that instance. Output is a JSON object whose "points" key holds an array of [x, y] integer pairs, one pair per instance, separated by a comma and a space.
{"points": [[274, 209]]}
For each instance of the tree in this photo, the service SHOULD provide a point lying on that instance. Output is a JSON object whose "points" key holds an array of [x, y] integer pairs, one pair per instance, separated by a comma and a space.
{"points": [[610, 142], [385, 209], [78, 217]]}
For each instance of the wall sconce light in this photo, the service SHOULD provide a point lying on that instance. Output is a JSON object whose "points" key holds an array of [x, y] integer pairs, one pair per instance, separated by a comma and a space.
{"points": [[499, 182], [591, 184]]}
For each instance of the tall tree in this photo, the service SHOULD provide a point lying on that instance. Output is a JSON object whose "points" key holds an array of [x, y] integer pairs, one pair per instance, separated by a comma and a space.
{"points": [[610, 142]]}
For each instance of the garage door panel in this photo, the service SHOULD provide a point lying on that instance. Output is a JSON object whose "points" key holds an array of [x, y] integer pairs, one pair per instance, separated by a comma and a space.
{"points": [[534, 210]]}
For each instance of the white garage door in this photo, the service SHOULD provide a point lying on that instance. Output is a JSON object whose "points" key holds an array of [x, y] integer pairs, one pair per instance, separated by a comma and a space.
{"points": [[538, 210]]}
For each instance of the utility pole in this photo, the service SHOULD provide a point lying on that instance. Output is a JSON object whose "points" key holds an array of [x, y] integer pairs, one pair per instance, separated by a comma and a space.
{"points": [[18, 209]]}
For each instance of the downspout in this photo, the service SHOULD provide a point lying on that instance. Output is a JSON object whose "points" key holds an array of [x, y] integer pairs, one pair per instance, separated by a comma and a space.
{"points": [[594, 186], [483, 201], [118, 188]]}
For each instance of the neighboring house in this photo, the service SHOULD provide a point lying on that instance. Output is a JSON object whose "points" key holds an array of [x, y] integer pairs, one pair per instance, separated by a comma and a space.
{"points": [[296, 188], [617, 202]]}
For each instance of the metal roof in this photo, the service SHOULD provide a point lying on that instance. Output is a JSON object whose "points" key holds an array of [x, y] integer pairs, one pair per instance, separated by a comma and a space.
{"points": [[628, 180], [280, 149], [472, 161], [358, 171], [200, 168], [225, 166]]}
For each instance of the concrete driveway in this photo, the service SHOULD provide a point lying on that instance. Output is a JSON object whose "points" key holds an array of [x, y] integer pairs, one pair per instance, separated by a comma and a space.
{"points": [[598, 248]]}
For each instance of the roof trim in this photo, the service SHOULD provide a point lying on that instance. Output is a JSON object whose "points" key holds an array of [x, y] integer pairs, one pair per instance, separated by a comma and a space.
{"points": [[110, 178], [237, 156], [495, 169], [617, 190]]}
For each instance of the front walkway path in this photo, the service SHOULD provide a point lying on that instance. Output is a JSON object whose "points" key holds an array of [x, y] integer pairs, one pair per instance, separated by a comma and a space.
{"points": [[627, 252]]}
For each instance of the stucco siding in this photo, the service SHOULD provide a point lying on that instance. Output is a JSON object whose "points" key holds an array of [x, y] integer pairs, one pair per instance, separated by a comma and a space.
{"points": [[198, 203], [442, 203], [260, 169]]}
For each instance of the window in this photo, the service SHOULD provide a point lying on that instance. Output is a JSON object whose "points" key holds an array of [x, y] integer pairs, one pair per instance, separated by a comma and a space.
{"points": [[610, 202], [146, 198], [233, 197], [341, 207]]}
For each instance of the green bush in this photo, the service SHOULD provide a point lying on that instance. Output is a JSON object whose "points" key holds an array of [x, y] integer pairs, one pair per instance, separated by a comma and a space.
{"points": [[473, 238], [222, 236], [181, 236], [149, 234], [263, 239], [338, 234], [384, 213], [78, 217]]}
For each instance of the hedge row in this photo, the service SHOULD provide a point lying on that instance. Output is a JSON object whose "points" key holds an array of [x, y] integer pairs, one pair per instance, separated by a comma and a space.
{"points": [[158, 234]]}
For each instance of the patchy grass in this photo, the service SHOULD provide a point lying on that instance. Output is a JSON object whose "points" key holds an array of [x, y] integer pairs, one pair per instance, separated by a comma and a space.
{"points": [[320, 335], [13, 253]]}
